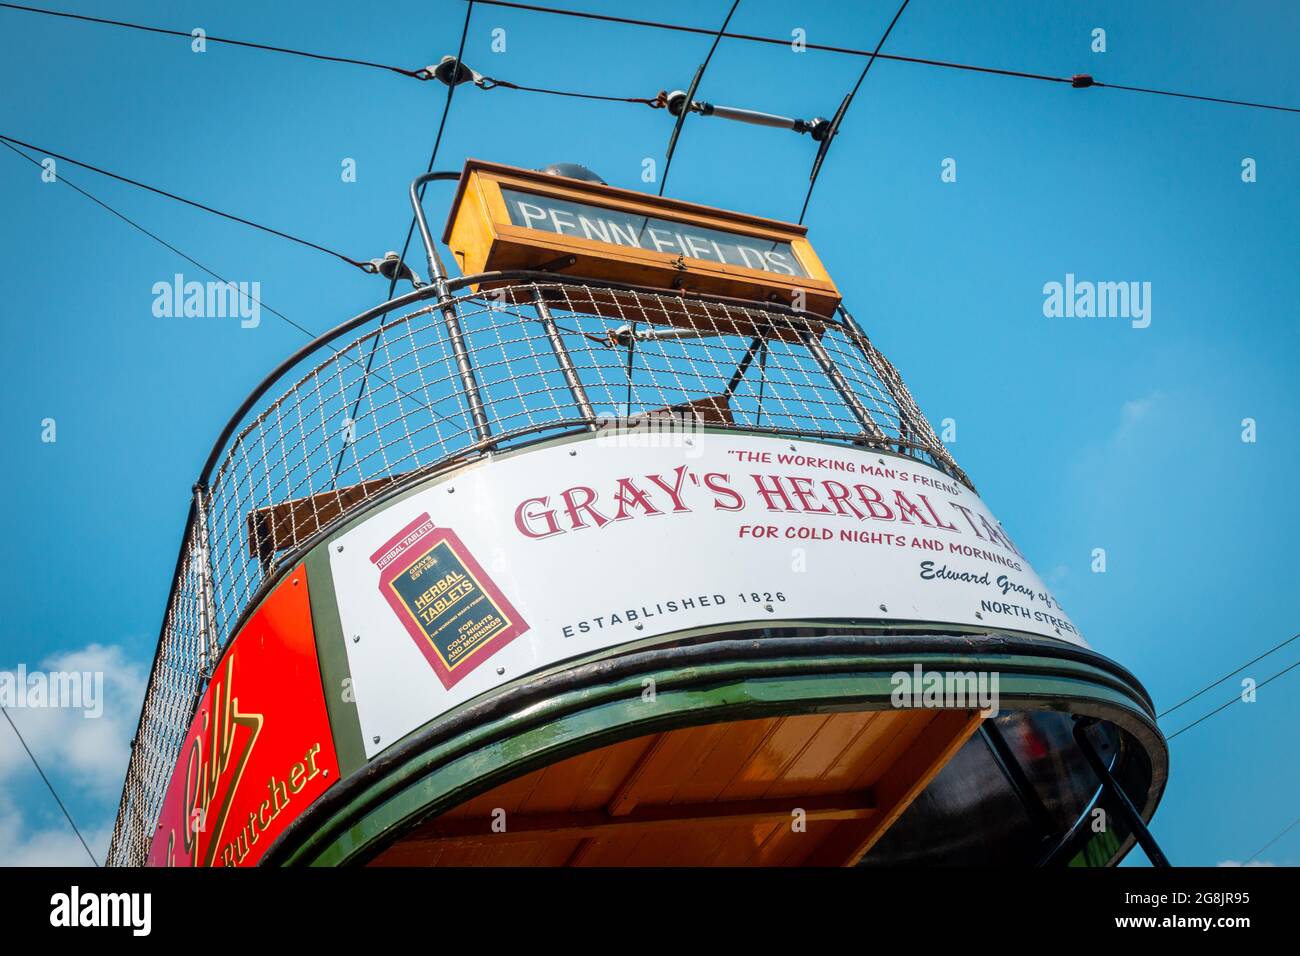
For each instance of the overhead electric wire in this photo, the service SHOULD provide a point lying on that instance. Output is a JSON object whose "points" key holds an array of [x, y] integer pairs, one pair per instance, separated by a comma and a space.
{"points": [[423, 73], [163, 242], [155, 237], [492, 83], [690, 95], [1194, 96], [410, 232], [363, 266], [1186, 700], [1285, 830], [1225, 706], [851, 51], [843, 111], [54, 793], [420, 74], [774, 41]]}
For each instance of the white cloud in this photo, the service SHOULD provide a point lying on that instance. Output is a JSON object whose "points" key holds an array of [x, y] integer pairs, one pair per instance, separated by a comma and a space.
{"points": [[86, 754], [85, 758], [1247, 863], [22, 843]]}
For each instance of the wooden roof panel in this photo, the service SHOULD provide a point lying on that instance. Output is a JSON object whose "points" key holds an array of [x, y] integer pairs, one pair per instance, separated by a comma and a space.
{"points": [[715, 795]]}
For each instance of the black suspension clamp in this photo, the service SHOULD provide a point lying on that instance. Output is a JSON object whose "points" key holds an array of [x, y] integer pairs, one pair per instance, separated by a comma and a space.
{"points": [[817, 127]]}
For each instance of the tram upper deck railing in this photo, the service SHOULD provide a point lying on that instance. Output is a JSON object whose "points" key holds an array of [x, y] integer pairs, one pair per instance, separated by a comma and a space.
{"points": [[381, 402]]}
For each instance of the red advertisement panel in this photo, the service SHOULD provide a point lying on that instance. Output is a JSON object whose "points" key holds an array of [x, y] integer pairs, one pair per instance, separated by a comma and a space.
{"points": [[259, 749]]}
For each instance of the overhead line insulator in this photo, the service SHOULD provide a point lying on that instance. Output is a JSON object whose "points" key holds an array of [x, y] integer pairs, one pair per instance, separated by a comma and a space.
{"points": [[817, 126]]}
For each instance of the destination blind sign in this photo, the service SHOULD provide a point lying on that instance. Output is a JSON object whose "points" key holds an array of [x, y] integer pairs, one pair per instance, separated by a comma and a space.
{"points": [[614, 227]]}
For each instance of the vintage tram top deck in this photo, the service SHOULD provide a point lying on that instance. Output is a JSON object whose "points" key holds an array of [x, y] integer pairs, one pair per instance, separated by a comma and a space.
{"points": [[626, 546]]}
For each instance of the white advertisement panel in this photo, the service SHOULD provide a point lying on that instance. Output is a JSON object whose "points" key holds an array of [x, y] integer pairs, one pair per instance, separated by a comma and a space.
{"points": [[522, 562]]}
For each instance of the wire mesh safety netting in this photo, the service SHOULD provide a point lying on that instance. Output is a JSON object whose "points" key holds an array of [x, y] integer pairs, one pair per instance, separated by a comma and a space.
{"points": [[399, 400]]}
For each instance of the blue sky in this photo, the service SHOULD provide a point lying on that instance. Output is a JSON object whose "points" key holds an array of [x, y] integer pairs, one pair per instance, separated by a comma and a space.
{"points": [[1080, 433]]}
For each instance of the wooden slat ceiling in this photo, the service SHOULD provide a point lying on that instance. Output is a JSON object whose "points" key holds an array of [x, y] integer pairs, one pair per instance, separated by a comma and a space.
{"points": [[715, 795]]}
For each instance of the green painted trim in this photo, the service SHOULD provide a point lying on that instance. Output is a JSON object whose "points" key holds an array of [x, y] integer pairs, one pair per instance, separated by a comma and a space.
{"points": [[332, 655], [834, 664], [448, 773]]}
